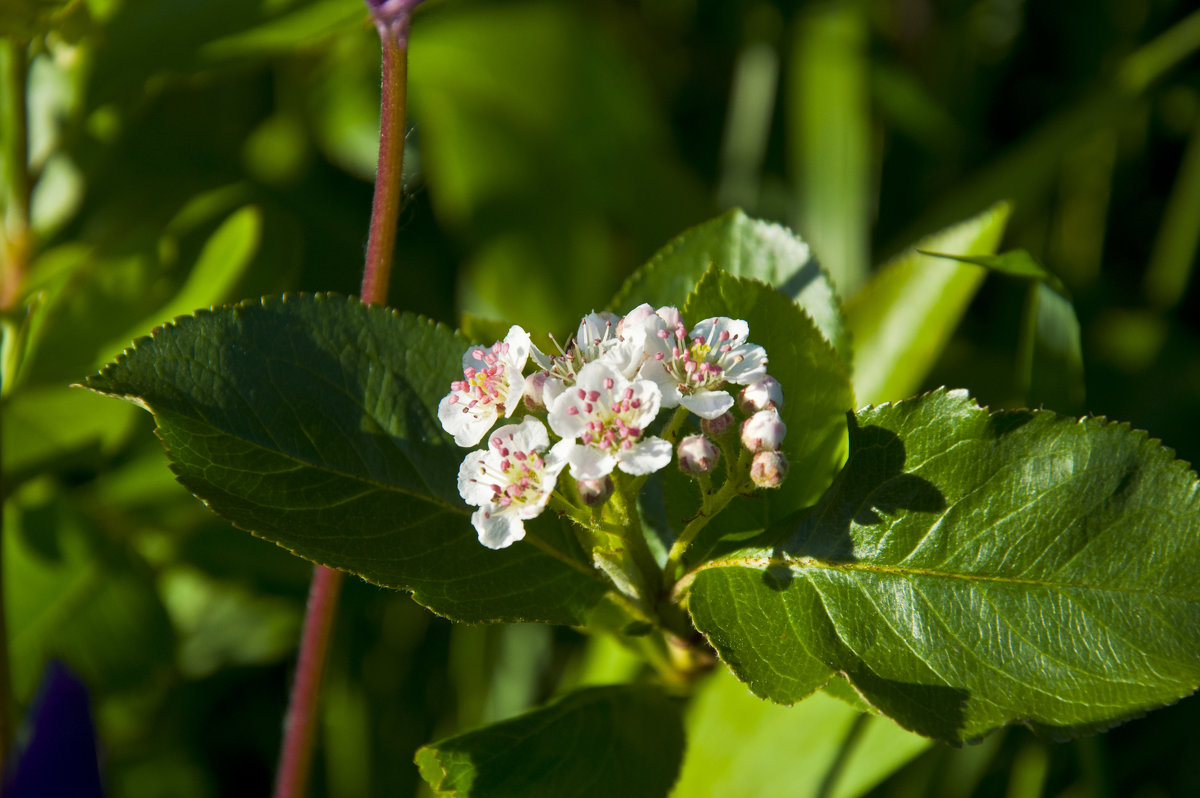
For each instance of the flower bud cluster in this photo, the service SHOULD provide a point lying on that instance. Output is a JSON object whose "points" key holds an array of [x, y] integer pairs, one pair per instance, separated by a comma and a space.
{"points": [[599, 396]]}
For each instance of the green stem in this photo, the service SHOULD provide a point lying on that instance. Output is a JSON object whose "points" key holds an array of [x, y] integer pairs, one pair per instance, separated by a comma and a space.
{"points": [[634, 536], [295, 758], [710, 505], [14, 255], [15, 241]]}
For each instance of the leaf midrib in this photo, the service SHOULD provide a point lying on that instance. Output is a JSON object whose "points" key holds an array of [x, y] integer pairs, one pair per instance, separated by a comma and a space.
{"points": [[800, 566]]}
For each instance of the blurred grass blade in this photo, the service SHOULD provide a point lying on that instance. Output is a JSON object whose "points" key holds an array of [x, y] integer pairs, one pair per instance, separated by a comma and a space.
{"points": [[1148, 63], [1050, 355], [748, 126], [901, 320], [829, 138], [1174, 253], [1027, 171]]}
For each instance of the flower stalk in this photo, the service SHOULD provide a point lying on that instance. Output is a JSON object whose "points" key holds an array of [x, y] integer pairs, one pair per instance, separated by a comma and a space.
{"points": [[295, 760]]}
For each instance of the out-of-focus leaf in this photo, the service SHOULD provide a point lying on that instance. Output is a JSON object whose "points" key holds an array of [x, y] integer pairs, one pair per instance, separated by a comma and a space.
{"points": [[597, 741], [902, 318], [972, 569], [743, 247], [224, 624], [829, 125], [149, 40], [741, 745], [24, 19], [817, 397], [71, 596], [45, 424], [555, 206], [1016, 262], [222, 262], [312, 421], [1052, 358], [1050, 362]]}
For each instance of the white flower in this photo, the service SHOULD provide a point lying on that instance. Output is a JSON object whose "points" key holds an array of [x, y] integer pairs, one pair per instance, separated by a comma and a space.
{"points": [[690, 368], [608, 413], [601, 336], [491, 386], [510, 481]]}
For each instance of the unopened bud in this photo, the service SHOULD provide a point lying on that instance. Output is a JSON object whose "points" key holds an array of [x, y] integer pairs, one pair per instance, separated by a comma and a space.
{"points": [[763, 431], [768, 469], [535, 387], [697, 455], [762, 395], [595, 492], [718, 426]]}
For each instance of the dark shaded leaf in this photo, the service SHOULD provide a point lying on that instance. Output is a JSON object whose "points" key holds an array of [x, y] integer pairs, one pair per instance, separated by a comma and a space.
{"points": [[598, 741], [311, 421]]}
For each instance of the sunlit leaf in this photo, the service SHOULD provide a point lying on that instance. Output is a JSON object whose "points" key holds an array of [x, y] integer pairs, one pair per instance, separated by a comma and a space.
{"points": [[743, 247], [794, 751], [597, 741], [972, 569], [902, 318], [817, 397], [311, 421]]}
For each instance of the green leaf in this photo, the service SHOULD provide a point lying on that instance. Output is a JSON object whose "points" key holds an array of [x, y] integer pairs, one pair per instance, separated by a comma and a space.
{"points": [[73, 595], [820, 747], [743, 247], [311, 421], [903, 317], [1015, 262], [1050, 364], [816, 390], [972, 569], [225, 257], [599, 741]]}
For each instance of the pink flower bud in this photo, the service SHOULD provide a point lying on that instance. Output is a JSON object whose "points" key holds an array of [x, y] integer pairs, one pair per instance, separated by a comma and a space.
{"points": [[534, 394], [762, 395], [763, 431], [697, 455], [768, 469], [595, 492], [718, 426]]}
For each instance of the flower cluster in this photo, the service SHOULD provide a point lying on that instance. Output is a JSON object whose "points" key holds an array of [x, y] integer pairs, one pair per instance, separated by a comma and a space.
{"points": [[600, 395]]}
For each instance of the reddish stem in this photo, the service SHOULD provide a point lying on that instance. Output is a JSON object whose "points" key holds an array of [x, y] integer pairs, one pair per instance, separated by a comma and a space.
{"points": [[295, 760]]}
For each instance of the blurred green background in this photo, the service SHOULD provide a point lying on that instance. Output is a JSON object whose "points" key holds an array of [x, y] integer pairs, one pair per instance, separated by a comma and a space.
{"points": [[184, 153]]}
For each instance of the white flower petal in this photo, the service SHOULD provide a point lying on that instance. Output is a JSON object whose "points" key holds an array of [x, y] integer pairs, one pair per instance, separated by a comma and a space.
{"points": [[751, 367], [588, 462], [566, 424], [473, 490], [497, 528], [708, 404], [529, 434], [645, 457], [467, 425], [668, 389]]}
